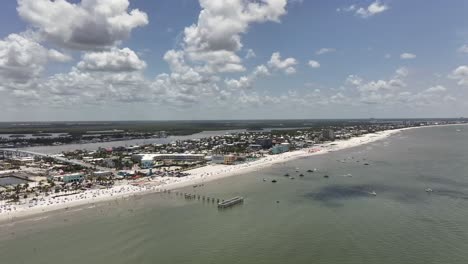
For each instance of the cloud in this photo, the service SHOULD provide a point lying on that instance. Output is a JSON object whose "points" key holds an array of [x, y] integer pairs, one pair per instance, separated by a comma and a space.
{"points": [[436, 89], [117, 60], [261, 70], [55, 55], [354, 80], [216, 37], [463, 49], [87, 25], [373, 9], [250, 54], [325, 51], [246, 82], [21, 59], [407, 56], [365, 12], [460, 74], [314, 64], [286, 65], [391, 92], [243, 82], [402, 72], [378, 86]]}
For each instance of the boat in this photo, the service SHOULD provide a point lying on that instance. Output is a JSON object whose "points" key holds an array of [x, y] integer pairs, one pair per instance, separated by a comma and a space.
{"points": [[428, 190], [264, 179], [366, 164], [301, 175], [373, 193], [286, 175], [292, 178], [458, 130], [310, 171], [325, 176], [273, 181]]}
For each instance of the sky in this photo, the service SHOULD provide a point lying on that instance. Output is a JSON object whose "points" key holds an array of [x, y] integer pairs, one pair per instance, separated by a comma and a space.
{"points": [[232, 59]]}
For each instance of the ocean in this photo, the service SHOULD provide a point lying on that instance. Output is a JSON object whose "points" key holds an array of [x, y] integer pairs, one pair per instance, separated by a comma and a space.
{"points": [[309, 219]]}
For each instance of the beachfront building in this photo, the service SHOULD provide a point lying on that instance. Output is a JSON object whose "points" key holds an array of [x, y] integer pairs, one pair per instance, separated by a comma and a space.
{"points": [[280, 148], [217, 159], [147, 162], [98, 174], [266, 143], [68, 178], [229, 159], [328, 134], [223, 159], [173, 157]]}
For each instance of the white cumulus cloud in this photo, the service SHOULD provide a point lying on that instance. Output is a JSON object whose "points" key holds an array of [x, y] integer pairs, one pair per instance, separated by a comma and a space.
{"points": [[463, 49], [461, 74], [314, 64], [117, 60], [287, 65], [407, 56], [216, 37], [325, 51], [86, 25], [372, 9]]}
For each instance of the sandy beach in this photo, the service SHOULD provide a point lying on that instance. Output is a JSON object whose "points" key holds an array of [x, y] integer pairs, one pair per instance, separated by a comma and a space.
{"points": [[197, 176]]}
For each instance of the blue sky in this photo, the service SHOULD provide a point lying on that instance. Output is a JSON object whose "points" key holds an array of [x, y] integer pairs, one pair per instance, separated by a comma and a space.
{"points": [[121, 59]]}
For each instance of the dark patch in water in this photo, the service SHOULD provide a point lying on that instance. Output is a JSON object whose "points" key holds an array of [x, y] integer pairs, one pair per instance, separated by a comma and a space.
{"points": [[335, 195], [330, 195]]}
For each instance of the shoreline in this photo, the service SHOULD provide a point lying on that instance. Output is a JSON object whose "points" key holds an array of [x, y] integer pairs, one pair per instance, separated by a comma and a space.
{"points": [[197, 176]]}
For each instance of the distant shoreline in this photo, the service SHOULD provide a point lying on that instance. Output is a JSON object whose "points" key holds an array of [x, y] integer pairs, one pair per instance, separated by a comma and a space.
{"points": [[197, 176]]}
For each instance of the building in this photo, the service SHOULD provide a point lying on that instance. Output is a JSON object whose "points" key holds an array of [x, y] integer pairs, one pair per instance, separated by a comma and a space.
{"points": [[217, 159], [328, 134], [266, 143], [229, 159], [147, 162], [174, 157], [102, 174], [223, 159], [68, 178], [255, 147], [280, 148]]}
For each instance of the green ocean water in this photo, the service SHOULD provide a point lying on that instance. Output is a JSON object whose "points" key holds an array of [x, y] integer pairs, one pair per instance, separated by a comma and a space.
{"points": [[308, 219]]}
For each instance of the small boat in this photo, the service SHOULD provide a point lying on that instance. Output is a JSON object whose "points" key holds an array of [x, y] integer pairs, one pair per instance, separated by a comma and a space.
{"points": [[429, 190], [286, 175], [274, 181], [292, 178], [325, 176], [458, 130], [264, 179], [310, 171], [373, 193], [366, 164], [301, 175]]}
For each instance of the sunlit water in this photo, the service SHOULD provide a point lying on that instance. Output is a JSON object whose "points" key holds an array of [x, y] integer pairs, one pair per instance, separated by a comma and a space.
{"points": [[308, 219]]}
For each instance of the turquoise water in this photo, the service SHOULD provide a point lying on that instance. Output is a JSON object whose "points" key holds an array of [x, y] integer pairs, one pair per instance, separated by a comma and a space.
{"points": [[310, 219]]}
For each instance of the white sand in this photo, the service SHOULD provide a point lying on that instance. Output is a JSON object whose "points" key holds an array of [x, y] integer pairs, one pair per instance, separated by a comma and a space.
{"points": [[197, 176]]}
